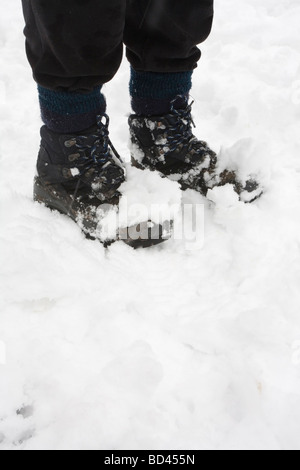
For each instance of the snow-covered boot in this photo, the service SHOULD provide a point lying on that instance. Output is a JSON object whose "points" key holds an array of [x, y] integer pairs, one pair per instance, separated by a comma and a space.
{"points": [[80, 175], [166, 144]]}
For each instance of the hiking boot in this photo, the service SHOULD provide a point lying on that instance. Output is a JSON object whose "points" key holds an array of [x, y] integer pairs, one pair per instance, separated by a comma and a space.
{"points": [[80, 175], [166, 144]]}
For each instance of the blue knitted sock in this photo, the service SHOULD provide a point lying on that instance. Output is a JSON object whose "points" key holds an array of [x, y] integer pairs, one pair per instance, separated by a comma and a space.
{"points": [[152, 93], [68, 112]]}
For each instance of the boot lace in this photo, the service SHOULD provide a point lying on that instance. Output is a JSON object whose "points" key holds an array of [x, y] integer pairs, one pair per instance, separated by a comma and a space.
{"points": [[179, 133], [93, 151]]}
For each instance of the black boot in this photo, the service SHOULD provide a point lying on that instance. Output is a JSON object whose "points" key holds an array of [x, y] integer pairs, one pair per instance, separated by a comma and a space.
{"points": [[166, 144], [79, 175]]}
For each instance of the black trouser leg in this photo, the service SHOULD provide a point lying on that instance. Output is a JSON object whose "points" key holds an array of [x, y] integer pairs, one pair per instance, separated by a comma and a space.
{"points": [[162, 38], [77, 44], [162, 35], [74, 45]]}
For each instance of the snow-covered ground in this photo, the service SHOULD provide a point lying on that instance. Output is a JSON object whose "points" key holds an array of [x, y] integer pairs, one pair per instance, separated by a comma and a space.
{"points": [[165, 348]]}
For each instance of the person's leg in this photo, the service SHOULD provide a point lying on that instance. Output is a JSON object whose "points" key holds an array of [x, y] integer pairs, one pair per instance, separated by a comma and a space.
{"points": [[74, 47], [162, 38]]}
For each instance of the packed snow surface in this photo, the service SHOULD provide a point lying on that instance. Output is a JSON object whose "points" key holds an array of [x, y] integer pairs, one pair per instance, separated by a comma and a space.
{"points": [[169, 347]]}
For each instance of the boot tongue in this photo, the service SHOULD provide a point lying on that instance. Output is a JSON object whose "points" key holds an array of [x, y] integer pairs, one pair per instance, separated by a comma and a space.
{"points": [[89, 131], [181, 102], [105, 183]]}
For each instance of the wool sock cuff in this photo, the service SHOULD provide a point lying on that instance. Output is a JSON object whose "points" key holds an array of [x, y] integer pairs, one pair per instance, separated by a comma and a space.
{"points": [[152, 93], [67, 112]]}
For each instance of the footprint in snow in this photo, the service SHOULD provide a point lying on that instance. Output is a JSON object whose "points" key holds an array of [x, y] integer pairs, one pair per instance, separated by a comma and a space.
{"points": [[25, 412]]}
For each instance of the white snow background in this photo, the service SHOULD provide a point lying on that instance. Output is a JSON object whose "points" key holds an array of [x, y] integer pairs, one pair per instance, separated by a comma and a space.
{"points": [[164, 348]]}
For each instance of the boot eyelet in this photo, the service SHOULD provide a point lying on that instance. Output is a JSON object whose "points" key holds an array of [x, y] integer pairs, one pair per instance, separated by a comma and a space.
{"points": [[90, 173], [66, 173], [73, 157], [70, 143]]}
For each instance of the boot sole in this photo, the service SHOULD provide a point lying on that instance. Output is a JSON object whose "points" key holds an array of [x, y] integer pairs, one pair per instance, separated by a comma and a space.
{"points": [[146, 234]]}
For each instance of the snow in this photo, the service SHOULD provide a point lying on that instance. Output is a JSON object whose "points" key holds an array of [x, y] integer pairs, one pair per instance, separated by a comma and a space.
{"points": [[155, 196], [74, 171], [168, 347]]}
